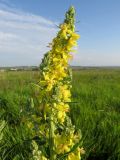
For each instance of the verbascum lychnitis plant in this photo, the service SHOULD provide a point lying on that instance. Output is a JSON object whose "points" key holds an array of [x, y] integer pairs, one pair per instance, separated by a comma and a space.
{"points": [[59, 138]]}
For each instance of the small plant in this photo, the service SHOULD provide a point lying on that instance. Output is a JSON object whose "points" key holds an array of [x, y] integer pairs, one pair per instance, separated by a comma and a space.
{"points": [[60, 138]]}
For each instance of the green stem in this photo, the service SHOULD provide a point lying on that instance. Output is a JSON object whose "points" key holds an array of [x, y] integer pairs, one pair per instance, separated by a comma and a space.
{"points": [[51, 137]]}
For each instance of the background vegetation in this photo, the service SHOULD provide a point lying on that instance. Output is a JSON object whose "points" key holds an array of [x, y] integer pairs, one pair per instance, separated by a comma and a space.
{"points": [[95, 109]]}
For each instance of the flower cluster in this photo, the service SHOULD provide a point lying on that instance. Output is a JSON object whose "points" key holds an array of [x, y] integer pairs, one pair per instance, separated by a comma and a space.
{"points": [[54, 95]]}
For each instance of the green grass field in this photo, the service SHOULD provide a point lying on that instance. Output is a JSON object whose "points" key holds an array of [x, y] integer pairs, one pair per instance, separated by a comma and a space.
{"points": [[95, 109]]}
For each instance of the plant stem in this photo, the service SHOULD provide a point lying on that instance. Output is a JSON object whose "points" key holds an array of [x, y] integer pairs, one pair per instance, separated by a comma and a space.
{"points": [[51, 137]]}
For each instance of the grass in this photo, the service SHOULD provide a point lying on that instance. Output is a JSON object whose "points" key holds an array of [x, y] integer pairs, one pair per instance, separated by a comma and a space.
{"points": [[98, 111], [95, 109]]}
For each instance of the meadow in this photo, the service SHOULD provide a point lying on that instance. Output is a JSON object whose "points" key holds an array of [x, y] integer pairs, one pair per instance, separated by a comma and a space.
{"points": [[95, 109]]}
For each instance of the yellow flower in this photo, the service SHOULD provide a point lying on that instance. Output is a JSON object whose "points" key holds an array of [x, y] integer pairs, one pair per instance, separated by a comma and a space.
{"points": [[81, 150], [64, 26], [62, 144], [48, 80], [43, 158], [50, 85], [69, 31], [65, 56], [60, 71], [73, 156], [62, 107], [55, 59], [61, 116], [72, 42], [65, 93], [75, 36], [64, 34], [63, 148]]}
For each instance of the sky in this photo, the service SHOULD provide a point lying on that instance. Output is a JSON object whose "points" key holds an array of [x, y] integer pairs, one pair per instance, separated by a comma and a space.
{"points": [[27, 26]]}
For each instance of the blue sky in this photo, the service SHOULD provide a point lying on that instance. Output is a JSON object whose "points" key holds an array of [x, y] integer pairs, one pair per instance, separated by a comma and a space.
{"points": [[27, 26]]}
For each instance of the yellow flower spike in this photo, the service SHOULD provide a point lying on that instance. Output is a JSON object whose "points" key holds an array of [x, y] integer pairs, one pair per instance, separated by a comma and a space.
{"points": [[55, 85]]}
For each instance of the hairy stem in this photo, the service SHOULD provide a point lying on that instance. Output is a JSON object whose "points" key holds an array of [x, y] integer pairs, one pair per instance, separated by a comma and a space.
{"points": [[51, 137]]}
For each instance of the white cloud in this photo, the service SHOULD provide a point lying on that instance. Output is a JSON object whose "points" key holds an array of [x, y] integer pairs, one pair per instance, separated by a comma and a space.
{"points": [[23, 37], [6, 36], [23, 17]]}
